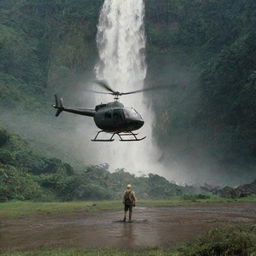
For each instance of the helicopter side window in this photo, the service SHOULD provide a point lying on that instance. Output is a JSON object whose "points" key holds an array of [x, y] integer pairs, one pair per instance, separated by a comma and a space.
{"points": [[117, 115], [137, 113], [107, 115], [132, 113]]}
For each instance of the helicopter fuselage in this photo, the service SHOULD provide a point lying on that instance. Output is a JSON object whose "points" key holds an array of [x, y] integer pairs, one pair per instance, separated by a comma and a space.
{"points": [[114, 117]]}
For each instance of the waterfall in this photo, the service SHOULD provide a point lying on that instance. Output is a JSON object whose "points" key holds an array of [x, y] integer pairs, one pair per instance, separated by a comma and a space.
{"points": [[121, 44]]}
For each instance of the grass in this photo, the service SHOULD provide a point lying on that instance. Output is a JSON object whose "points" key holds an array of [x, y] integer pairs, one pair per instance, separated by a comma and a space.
{"points": [[227, 241], [91, 252], [20, 208]]}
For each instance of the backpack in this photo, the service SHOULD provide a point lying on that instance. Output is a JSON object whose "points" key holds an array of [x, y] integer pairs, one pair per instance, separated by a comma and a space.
{"points": [[128, 198]]}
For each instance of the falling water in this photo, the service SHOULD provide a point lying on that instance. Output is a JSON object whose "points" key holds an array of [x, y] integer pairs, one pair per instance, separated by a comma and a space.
{"points": [[121, 44]]}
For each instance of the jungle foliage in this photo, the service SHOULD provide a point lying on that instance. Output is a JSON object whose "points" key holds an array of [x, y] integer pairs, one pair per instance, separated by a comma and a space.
{"points": [[211, 46], [25, 175]]}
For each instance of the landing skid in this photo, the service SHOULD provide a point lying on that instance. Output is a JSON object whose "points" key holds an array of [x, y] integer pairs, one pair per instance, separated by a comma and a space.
{"points": [[120, 135], [100, 140]]}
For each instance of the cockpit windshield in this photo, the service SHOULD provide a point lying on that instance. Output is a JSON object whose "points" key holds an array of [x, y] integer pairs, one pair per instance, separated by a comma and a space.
{"points": [[132, 114]]}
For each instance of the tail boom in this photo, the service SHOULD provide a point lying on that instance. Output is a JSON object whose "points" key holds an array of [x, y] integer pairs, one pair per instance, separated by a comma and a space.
{"points": [[60, 107]]}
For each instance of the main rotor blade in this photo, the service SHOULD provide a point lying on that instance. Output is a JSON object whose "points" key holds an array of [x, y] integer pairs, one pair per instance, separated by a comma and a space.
{"points": [[104, 85], [145, 89], [92, 91]]}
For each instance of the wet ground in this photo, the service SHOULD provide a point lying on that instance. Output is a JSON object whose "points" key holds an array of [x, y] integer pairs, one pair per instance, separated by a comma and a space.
{"points": [[161, 227]]}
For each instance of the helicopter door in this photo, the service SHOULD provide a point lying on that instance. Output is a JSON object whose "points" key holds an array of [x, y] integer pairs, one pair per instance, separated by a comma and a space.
{"points": [[108, 119], [118, 116], [107, 115]]}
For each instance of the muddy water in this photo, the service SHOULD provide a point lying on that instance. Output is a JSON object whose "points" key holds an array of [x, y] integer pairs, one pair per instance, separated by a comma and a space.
{"points": [[162, 227]]}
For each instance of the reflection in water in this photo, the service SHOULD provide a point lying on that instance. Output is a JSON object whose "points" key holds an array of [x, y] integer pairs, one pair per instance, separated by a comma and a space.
{"points": [[128, 234]]}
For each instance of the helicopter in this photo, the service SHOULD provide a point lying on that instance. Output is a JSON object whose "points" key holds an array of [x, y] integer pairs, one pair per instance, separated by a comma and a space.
{"points": [[112, 117]]}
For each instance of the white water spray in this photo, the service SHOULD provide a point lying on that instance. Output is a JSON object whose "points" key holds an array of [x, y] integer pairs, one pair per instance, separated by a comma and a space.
{"points": [[121, 44]]}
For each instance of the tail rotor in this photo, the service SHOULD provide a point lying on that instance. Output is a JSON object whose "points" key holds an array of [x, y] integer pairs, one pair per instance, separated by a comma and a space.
{"points": [[58, 105]]}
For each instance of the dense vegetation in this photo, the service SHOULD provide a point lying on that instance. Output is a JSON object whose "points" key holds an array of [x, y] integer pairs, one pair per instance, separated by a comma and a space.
{"points": [[44, 44], [211, 46], [206, 49], [25, 175]]}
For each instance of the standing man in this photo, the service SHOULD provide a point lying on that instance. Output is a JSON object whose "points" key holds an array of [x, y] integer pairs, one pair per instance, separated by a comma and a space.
{"points": [[129, 200]]}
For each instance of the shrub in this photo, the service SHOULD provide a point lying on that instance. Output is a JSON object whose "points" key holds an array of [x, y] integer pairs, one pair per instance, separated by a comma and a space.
{"points": [[228, 241], [4, 137]]}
